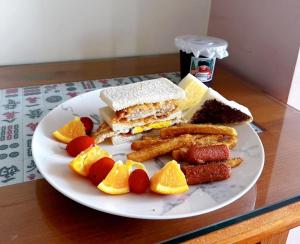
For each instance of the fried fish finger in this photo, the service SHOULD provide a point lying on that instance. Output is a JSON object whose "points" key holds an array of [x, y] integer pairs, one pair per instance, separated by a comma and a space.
{"points": [[230, 141], [148, 137], [140, 144], [179, 154], [177, 130], [161, 149]]}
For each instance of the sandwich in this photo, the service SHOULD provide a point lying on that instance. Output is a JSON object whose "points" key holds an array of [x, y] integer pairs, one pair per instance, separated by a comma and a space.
{"points": [[139, 107], [205, 105]]}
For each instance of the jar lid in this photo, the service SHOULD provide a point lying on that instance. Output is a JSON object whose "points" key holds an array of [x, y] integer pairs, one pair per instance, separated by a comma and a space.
{"points": [[206, 46]]}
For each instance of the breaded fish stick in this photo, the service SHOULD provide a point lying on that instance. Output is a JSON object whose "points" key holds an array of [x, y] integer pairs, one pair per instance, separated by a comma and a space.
{"points": [[179, 154], [177, 130], [140, 144], [161, 149]]}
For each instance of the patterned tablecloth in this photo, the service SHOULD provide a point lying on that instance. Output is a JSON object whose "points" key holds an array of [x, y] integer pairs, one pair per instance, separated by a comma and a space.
{"points": [[21, 109]]}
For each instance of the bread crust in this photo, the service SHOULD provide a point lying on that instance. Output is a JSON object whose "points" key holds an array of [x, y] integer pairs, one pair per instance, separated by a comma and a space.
{"points": [[149, 91]]}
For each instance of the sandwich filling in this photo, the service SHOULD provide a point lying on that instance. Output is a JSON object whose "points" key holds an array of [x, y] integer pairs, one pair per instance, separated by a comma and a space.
{"points": [[113, 126], [135, 108], [105, 131], [141, 111], [125, 125]]}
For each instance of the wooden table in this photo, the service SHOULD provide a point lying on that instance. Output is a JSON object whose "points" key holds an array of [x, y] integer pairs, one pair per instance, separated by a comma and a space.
{"points": [[35, 212]]}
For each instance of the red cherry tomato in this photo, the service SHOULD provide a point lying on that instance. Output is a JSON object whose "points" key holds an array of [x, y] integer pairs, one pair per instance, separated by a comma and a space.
{"points": [[138, 181], [79, 144], [88, 124], [100, 169]]}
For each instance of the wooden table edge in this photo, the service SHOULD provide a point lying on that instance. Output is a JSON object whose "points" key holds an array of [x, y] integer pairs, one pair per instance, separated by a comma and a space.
{"points": [[270, 227]]}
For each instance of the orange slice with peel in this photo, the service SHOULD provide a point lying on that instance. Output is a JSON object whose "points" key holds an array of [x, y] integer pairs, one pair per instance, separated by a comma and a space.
{"points": [[116, 182], [169, 180], [133, 164], [70, 131], [83, 161]]}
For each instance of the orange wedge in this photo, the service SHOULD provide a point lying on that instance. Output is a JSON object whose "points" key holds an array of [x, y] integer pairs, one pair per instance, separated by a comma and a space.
{"points": [[169, 180], [133, 164], [116, 182], [83, 161], [70, 131]]}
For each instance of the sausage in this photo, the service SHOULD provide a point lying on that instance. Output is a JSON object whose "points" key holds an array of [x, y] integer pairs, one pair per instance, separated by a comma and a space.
{"points": [[199, 154], [204, 173]]}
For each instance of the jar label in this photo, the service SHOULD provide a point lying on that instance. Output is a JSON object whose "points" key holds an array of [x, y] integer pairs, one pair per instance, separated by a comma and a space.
{"points": [[202, 68]]}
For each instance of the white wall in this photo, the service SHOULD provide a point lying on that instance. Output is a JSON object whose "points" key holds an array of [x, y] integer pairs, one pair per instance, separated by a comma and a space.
{"points": [[34, 31]]}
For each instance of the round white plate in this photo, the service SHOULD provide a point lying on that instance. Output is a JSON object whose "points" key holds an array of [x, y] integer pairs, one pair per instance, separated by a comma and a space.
{"points": [[52, 161]]}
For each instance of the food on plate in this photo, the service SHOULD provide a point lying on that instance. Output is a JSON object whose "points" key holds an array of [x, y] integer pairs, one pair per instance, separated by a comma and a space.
{"points": [[181, 129], [160, 149], [140, 144], [88, 124], [79, 144], [192, 145], [204, 173], [202, 146], [117, 180], [233, 162], [214, 140], [198, 139], [168, 145], [179, 154], [83, 161], [100, 169], [103, 132], [200, 154], [149, 137], [138, 181], [169, 180], [194, 90], [230, 141], [135, 108], [70, 131], [216, 109]]}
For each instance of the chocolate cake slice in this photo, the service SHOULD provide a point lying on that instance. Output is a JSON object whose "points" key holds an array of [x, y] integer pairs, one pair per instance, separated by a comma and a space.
{"points": [[216, 109]]}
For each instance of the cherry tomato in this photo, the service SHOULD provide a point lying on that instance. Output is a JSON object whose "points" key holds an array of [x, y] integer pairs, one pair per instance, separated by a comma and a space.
{"points": [[79, 144], [88, 124], [138, 181], [100, 169]]}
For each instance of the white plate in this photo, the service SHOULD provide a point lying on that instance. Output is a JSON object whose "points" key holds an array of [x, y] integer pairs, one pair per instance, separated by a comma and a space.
{"points": [[52, 161]]}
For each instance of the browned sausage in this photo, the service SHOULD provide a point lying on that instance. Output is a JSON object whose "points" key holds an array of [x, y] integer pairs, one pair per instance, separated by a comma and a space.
{"points": [[198, 154], [205, 173]]}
